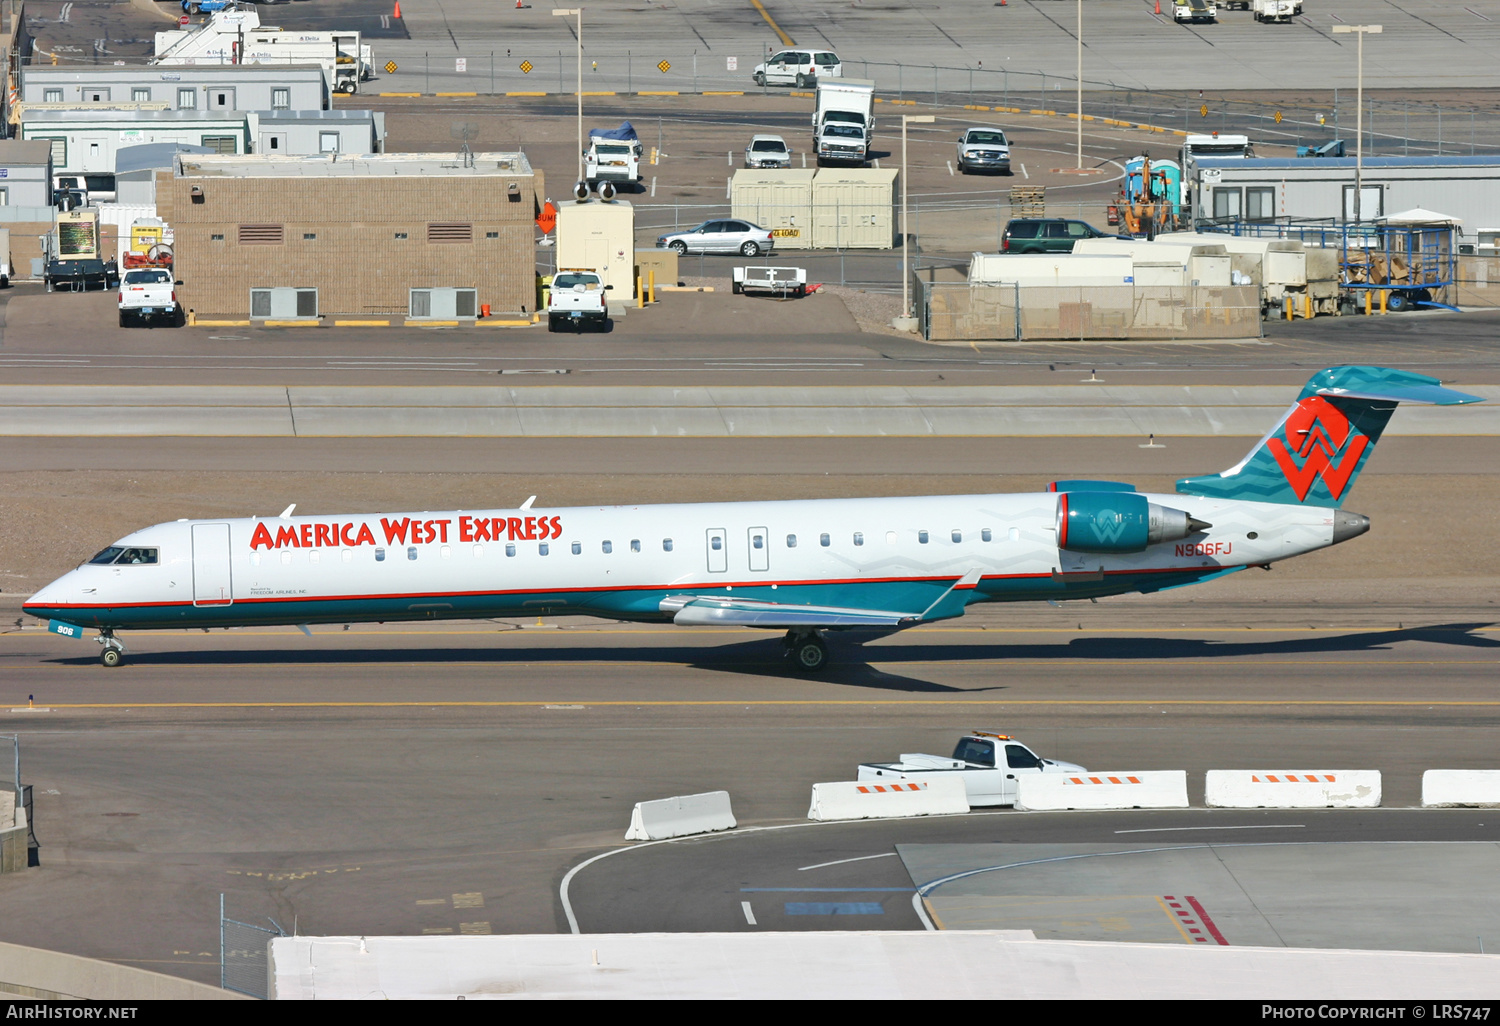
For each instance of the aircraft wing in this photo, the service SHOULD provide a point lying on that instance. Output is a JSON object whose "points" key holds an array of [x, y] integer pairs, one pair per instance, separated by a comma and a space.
{"points": [[723, 610]]}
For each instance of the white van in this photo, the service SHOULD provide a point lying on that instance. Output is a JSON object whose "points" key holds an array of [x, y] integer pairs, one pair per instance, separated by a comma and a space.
{"points": [[800, 68]]}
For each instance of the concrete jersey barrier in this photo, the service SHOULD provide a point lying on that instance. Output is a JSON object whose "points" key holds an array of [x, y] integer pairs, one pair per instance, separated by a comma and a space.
{"points": [[1137, 789], [1450, 788], [680, 816], [866, 799], [1292, 789]]}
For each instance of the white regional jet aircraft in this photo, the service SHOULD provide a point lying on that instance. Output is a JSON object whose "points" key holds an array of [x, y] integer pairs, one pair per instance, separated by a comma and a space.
{"points": [[803, 566]]}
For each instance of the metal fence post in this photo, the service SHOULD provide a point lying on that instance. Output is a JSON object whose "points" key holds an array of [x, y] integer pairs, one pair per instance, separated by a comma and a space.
{"points": [[426, 74], [492, 72], [223, 979], [934, 87], [629, 83], [900, 81]]}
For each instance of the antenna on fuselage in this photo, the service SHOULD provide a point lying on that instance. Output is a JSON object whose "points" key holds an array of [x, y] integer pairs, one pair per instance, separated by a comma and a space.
{"points": [[528, 502], [286, 514]]}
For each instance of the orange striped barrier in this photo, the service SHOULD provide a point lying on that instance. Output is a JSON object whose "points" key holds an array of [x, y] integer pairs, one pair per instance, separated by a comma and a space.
{"points": [[1142, 789], [1292, 789]]}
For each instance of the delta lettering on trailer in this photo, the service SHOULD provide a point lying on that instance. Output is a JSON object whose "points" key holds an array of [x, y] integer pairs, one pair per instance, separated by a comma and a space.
{"points": [[803, 567]]}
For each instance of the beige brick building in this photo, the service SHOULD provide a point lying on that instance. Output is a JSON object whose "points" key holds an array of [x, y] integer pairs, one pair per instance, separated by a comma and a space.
{"points": [[426, 236]]}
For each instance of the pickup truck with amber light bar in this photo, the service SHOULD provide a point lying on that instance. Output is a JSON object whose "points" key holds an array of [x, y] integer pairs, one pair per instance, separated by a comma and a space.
{"points": [[989, 764], [147, 294], [577, 298]]}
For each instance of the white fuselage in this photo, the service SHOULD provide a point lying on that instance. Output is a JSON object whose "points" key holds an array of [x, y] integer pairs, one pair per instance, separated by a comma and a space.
{"points": [[623, 561]]}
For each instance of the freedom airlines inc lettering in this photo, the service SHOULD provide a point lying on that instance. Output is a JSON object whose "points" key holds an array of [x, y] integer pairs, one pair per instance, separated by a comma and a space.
{"points": [[405, 531]]}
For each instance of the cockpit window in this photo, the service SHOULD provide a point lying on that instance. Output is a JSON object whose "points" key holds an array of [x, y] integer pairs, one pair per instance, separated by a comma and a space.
{"points": [[119, 556]]}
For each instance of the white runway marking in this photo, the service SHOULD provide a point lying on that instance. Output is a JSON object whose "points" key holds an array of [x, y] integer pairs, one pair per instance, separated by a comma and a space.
{"points": [[1249, 826], [840, 862], [749, 916]]}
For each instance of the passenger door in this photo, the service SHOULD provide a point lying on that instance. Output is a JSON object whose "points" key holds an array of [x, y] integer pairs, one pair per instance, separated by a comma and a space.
{"points": [[212, 583], [759, 540], [778, 70], [718, 550], [1055, 238], [1020, 761], [716, 237]]}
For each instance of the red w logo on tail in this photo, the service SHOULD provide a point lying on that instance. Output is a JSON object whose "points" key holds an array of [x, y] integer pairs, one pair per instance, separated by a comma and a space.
{"points": [[1317, 432]]}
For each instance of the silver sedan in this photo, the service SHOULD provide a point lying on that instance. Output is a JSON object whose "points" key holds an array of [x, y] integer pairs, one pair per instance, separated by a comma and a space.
{"points": [[729, 236]]}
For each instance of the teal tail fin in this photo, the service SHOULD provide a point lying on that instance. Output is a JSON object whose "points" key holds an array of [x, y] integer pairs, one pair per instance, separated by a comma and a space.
{"points": [[1312, 456]]}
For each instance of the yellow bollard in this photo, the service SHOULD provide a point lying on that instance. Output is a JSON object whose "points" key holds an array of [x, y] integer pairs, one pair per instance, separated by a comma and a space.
{"points": [[1288, 307], [1369, 300], [1383, 294], [192, 318], [651, 284], [640, 293], [1307, 305]]}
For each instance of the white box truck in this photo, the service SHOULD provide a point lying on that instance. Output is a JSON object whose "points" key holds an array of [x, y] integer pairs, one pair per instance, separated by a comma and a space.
{"points": [[844, 120]]}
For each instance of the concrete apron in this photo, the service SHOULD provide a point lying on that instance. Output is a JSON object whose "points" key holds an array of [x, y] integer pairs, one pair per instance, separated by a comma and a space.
{"points": [[695, 412]]}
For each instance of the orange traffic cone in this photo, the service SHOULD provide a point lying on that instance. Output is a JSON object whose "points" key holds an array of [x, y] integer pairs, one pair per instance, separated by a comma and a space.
{"points": [[398, 9], [1158, 6]]}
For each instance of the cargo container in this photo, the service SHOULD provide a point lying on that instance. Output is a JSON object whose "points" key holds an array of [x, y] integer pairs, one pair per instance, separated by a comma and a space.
{"points": [[1201, 264], [1276, 266], [778, 199], [855, 208], [599, 235]]}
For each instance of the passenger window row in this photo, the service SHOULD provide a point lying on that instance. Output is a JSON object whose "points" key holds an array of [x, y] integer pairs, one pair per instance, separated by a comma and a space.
{"points": [[716, 542]]}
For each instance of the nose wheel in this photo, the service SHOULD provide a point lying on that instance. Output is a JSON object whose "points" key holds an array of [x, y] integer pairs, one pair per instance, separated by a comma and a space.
{"points": [[807, 650], [113, 652]]}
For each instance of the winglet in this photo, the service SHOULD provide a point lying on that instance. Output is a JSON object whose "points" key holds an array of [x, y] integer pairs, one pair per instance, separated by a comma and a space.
{"points": [[951, 602], [528, 502], [286, 514]]}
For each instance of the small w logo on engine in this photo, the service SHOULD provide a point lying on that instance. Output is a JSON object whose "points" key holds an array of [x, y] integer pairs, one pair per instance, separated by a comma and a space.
{"points": [[1108, 526], [1319, 442]]}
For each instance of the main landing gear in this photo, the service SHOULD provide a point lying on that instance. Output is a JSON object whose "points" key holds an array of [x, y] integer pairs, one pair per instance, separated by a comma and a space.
{"points": [[805, 647], [113, 650]]}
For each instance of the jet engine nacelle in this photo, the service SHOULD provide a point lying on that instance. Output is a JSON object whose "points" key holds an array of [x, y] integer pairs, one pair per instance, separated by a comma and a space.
{"points": [[1118, 522]]}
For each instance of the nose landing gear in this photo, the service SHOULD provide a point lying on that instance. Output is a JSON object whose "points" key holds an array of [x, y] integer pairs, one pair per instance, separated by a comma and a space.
{"points": [[112, 649], [806, 648]]}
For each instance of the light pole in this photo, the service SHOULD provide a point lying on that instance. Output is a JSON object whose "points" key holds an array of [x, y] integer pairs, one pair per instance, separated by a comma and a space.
{"points": [[906, 322], [1359, 115], [565, 12], [1080, 85]]}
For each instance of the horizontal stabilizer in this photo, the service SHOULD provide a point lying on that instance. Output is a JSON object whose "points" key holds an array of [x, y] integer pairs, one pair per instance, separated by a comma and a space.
{"points": [[1428, 395]]}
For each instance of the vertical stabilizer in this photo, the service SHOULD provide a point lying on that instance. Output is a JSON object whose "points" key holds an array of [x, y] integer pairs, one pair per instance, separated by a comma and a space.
{"points": [[1314, 453]]}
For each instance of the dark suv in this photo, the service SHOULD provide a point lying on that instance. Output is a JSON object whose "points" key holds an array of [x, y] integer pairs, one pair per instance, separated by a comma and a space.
{"points": [[1046, 235]]}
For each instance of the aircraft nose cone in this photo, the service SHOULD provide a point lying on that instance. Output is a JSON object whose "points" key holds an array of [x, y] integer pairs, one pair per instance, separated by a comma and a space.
{"points": [[1348, 525]]}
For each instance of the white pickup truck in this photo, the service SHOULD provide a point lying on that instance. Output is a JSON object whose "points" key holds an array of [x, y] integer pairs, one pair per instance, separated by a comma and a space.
{"points": [[577, 298], [989, 764], [149, 293]]}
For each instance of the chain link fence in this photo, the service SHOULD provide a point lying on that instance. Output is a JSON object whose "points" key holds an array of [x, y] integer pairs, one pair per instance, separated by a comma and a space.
{"points": [[245, 954], [963, 312]]}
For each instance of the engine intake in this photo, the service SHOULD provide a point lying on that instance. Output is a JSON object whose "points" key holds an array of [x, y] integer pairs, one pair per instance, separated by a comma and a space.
{"points": [[1118, 522]]}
